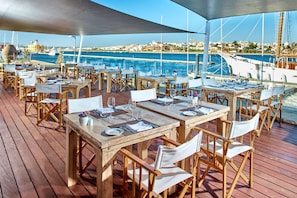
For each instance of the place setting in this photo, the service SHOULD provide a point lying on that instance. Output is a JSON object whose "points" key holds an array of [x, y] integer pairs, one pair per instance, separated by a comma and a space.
{"points": [[133, 126], [196, 108]]}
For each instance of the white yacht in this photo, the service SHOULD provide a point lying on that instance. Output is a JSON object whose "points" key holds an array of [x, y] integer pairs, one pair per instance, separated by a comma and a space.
{"points": [[53, 52]]}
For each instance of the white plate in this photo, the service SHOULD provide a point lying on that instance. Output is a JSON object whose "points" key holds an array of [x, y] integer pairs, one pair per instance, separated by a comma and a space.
{"points": [[51, 81], [114, 131], [189, 113]]}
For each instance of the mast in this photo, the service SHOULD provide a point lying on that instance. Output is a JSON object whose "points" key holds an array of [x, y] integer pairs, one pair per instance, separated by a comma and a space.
{"points": [[279, 38]]}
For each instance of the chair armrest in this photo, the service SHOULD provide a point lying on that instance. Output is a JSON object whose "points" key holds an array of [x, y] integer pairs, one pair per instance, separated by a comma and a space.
{"points": [[215, 135], [170, 141], [226, 121], [139, 161]]}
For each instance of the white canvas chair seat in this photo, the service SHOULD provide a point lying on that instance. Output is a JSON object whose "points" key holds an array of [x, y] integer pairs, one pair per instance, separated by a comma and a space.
{"points": [[50, 100], [79, 105], [143, 95], [235, 148], [170, 177], [218, 152], [159, 176]]}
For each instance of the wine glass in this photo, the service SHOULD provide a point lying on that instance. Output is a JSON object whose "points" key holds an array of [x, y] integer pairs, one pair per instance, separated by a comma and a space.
{"points": [[172, 94], [111, 105], [132, 108]]}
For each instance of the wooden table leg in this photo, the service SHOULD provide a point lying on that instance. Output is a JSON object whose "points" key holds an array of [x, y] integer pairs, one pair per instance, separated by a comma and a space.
{"points": [[108, 83], [100, 80], [71, 149], [104, 173]]}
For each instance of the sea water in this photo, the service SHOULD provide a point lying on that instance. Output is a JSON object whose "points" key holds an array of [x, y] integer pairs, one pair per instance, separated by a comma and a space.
{"points": [[158, 63]]}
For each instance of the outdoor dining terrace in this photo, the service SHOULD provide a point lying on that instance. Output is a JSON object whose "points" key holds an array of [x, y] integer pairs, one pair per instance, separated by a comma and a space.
{"points": [[33, 157]]}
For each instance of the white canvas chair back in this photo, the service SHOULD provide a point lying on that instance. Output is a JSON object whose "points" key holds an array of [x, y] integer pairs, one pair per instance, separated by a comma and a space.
{"points": [[30, 79], [167, 156], [9, 67], [143, 95], [20, 72], [84, 104], [276, 91], [240, 128], [265, 94], [45, 88], [195, 83]]}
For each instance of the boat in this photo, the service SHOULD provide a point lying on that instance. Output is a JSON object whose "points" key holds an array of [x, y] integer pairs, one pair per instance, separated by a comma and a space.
{"points": [[53, 52], [283, 69]]}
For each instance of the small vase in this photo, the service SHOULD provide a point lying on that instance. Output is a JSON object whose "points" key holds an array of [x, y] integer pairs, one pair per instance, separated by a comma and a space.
{"points": [[195, 100], [83, 120]]}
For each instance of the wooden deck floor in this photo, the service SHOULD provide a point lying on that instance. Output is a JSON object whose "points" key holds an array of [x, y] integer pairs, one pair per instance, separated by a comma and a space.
{"points": [[32, 159]]}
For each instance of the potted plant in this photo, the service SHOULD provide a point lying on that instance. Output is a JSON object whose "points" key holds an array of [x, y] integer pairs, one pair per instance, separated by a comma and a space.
{"points": [[83, 118]]}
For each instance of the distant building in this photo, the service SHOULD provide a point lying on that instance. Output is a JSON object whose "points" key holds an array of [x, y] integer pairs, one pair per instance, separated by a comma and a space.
{"points": [[35, 47]]}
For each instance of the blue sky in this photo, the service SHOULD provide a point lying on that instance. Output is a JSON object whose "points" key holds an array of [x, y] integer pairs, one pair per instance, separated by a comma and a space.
{"points": [[171, 14]]}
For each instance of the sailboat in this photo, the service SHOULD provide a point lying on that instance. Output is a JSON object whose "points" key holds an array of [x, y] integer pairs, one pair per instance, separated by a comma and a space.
{"points": [[282, 70]]}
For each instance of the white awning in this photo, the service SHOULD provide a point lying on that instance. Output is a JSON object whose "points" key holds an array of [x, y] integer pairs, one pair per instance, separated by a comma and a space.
{"points": [[72, 17], [215, 9]]}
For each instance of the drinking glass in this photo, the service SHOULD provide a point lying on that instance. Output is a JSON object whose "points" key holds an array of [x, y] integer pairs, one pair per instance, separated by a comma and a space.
{"points": [[111, 104], [172, 94], [132, 108]]}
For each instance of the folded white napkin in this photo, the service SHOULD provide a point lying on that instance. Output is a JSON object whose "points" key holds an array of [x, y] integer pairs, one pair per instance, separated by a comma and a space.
{"points": [[205, 110], [140, 126], [165, 100], [106, 110]]}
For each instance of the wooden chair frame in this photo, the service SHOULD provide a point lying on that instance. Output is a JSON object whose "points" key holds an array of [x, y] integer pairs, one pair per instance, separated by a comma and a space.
{"points": [[218, 152], [148, 186], [249, 106], [48, 103], [276, 104], [80, 105]]}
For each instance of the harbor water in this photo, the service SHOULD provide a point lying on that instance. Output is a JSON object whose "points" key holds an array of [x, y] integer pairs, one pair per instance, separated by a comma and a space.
{"points": [[163, 63]]}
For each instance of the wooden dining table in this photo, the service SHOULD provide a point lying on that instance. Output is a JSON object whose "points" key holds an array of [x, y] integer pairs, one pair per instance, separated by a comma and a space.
{"points": [[175, 111], [74, 86], [230, 92], [106, 146], [188, 121]]}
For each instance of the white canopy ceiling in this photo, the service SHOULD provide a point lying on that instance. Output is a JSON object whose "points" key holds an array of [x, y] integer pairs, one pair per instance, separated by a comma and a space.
{"points": [[214, 9], [72, 17]]}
